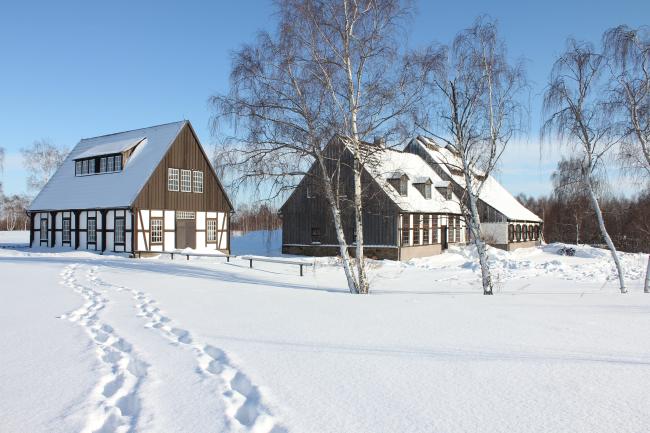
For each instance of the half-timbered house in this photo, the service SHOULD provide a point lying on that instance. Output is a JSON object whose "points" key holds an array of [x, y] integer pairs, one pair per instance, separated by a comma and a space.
{"points": [[150, 189], [505, 222], [409, 211]]}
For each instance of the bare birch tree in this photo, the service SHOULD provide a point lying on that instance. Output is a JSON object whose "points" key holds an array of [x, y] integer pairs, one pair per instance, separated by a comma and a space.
{"points": [[333, 69], [577, 114], [41, 160], [628, 52], [476, 105]]}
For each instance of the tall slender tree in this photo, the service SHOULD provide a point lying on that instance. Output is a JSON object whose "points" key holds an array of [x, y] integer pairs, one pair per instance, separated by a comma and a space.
{"points": [[333, 68], [475, 96], [41, 160], [628, 52], [577, 114]]}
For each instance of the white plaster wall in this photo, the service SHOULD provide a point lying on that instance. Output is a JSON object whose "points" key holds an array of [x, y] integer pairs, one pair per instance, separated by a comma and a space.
{"points": [[200, 224], [200, 240], [170, 221], [170, 241]]}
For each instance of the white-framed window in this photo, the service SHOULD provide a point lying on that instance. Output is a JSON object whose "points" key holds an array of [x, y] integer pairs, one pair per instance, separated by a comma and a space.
{"points": [[156, 230], [185, 215], [110, 166], [84, 166], [91, 166], [43, 229], [198, 181], [118, 163], [212, 229], [102, 164], [186, 180], [91, 233], [77, 168], [119, 231], [65, 234], [172, 179]]}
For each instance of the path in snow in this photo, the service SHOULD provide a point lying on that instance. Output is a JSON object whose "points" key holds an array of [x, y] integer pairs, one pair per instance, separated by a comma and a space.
{"points": [[245, 410], [115, 399]]}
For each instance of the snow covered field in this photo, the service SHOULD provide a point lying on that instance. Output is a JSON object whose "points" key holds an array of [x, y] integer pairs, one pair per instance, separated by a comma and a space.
{"points": [[110, 344]]}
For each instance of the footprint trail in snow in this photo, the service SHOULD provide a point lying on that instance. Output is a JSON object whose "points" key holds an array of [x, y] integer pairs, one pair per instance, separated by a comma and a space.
{"points": [[245, 410], [115, 402]]}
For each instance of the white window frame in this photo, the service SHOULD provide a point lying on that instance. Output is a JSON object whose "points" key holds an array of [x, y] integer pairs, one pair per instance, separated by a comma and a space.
{"points": [[173, 179], [197, 181], [91, 166], [156, 231], [77, 168], [102, 164], [185, 215], [66, 231], [119, 234], [91, 230], [118, 163], [186, 180], [84, 166], [211, 230], [43, 233]]}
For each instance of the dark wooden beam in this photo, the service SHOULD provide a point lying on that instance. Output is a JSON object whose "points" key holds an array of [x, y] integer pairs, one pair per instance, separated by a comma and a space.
{"points": [[53, 232], [31, 229], [76, 229], [134, 231], [103, 213]]}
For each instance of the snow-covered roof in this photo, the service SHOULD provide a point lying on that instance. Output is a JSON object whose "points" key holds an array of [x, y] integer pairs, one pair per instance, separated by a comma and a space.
{"points": [[389, 162], [492, 192], [108, 190], [112, 147]]}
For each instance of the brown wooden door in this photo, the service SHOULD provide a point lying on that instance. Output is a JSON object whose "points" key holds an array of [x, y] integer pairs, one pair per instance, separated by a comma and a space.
{"points": [[443, 237], [185, 233]]}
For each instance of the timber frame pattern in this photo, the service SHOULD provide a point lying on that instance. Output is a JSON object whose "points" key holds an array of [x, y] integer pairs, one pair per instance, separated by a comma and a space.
{"points": [[128, 228]]}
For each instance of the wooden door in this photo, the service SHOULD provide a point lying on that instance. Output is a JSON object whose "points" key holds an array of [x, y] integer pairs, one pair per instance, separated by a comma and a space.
{"points": [[185, 233], [443, 237]]}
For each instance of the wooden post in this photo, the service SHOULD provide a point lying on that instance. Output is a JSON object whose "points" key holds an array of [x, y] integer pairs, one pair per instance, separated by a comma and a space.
{"points": [[31, 229], [251, 263], [134, 230], [76, 230], [53, 232], [301, 270], [646, 288], [103, 214]]}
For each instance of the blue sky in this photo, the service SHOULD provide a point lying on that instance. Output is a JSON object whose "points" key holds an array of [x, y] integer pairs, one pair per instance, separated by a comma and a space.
{"points": [[70, 70]]}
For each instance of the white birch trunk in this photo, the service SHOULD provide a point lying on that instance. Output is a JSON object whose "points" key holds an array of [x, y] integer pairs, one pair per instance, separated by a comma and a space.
{"points": [[353, 285], [364, 286], [646, 287], [603, 231], [475, 229]]}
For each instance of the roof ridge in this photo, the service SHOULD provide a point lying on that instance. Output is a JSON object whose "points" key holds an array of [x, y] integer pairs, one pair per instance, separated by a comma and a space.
{"points": [[133, 130]]}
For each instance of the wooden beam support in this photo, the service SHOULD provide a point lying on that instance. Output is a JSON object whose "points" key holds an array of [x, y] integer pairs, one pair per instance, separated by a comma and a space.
{"points": [[103, 214], [76, 229], [53, 232]]}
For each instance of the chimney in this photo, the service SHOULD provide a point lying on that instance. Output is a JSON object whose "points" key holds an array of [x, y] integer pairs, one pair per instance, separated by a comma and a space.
{"points": [[379, 141]]}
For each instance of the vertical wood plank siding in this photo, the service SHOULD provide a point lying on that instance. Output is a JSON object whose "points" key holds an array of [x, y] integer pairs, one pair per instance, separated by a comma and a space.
{"points": [[183, 154], [300, 213]]}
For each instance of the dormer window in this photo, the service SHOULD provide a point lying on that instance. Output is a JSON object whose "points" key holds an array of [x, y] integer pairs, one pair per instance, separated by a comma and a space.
{"points": [[98, 165], [424, 186], [400, 182]]}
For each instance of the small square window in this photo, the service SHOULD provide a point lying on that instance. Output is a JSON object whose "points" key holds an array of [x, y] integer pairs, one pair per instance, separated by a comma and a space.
{"points": [[156, 231], [119, 234], [315, 235], [212, 229], [198, 181], [172, 179], [186, 180], [92, 230]]}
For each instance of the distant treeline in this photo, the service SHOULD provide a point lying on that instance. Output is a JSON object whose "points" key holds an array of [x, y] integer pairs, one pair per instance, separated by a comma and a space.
{"points": [[249, 218], [571, 219]]}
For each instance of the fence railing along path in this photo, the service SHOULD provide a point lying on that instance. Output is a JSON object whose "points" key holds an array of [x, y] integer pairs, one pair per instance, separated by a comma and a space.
{"points": [[250, 259]]}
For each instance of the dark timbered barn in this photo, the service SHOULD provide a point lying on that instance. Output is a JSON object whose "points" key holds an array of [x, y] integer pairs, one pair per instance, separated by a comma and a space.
{"points": [[150, 189], [505, 222], [409, 211]]}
